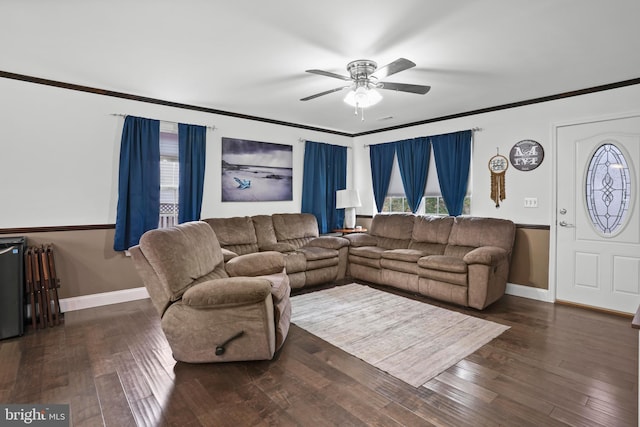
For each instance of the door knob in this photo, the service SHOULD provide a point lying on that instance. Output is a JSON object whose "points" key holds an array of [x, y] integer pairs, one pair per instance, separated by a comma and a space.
{"points": [[563, 211], [565, 224]]}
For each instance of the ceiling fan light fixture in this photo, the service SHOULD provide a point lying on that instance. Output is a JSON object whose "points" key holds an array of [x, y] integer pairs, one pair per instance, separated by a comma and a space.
{"points": [[364, 77], [362, 97]]}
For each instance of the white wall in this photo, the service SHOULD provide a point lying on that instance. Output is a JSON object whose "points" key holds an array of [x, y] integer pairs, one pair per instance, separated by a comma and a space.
{"points": [[59, 152], [501, 130]]}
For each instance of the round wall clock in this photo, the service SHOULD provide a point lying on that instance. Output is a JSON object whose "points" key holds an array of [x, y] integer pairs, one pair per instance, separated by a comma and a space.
{"points": [[526, 155]]}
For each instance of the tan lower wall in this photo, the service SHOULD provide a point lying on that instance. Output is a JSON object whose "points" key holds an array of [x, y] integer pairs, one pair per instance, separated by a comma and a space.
{"points": [[86, 262], [530, 259]]}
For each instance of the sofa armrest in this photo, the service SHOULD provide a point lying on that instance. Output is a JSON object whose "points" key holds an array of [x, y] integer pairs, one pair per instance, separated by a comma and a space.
{"points": [[227, 254], [255, 264], [329, 242], [361, 239], [227, 292], [278, 247], [486, 255]]}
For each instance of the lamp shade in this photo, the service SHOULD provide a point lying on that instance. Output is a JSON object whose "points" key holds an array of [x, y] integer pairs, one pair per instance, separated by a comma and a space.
{"points": [[362, 97], [347, 199]]}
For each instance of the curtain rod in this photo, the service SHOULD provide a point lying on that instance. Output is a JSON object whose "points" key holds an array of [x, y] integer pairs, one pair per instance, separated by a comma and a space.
{"points": [[475, 129], [169, 121], [302, 140]]}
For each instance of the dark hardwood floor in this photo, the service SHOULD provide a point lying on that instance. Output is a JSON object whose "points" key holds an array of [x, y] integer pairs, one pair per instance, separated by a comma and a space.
{"points": [[556, 366]]}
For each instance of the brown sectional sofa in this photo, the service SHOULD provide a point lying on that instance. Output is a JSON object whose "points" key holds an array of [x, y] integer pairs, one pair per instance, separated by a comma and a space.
{"points": [[310, 259], [463, 260]]}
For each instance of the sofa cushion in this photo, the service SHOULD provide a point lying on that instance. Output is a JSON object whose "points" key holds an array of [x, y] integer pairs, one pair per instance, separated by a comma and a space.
{"points": [[313, 253], [295, 226], [278, 247], [393, 231], [443, 263], [361, 239], [408, 255], [458, 251], [218, 273], [428, 248], [329, 242], [256, 264], [487, 255], [227, 292], [181, 254], [397, 265], [295, 229], [236, 234], [227, 254], [299, 242], [265, 233], [295, 262], [443, 269], [355, 260], [443, 291], [319, 257], [320, 275], [373, 252], [321, 263], [476, 232], [280, 291], [432, 229], [446, 278]]}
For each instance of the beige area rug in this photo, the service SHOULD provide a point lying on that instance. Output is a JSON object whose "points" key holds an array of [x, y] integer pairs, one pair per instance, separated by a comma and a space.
{"points": [[411, 340]]}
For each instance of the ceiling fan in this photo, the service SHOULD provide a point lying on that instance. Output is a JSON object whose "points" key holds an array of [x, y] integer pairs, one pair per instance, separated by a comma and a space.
{"points": [[365, 77]]}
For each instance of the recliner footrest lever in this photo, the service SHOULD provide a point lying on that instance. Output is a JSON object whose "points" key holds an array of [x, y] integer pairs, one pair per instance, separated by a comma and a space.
{"points": [[220, 349]]}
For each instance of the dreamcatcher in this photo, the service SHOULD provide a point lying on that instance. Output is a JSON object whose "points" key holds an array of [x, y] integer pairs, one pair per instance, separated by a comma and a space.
{"points": [[498, 167]]}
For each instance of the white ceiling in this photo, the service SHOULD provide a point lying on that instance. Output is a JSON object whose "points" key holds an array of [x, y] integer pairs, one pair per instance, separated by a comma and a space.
{"points": [[250, 57]]}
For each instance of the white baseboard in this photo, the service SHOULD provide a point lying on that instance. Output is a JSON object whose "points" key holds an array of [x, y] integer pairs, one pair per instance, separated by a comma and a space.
{"points": [[529, 292], [104, 298]]}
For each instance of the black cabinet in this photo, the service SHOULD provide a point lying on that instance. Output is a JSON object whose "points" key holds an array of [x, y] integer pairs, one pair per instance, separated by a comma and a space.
{"points": [[11, 286]]}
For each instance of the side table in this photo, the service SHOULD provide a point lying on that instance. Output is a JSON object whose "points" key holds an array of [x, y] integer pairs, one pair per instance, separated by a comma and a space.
{"points": [[349, 230]]}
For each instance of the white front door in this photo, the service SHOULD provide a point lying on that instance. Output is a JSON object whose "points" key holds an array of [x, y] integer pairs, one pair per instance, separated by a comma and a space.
{"points": [[597, 218]]}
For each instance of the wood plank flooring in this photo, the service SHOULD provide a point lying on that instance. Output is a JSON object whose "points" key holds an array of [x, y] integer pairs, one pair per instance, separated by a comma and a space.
{"points": [[556, 366]]}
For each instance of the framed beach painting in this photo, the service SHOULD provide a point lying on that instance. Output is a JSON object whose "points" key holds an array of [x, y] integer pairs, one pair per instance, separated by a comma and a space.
{"points": [[255, 171]]}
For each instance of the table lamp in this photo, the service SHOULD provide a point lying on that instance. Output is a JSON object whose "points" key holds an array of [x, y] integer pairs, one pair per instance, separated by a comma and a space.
{"points": [[348, 200]]}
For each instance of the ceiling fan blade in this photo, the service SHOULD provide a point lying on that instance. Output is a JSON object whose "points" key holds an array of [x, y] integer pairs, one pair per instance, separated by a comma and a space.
{"points": [[326, 92], [403, 87], [329, 74], [396, 66]]}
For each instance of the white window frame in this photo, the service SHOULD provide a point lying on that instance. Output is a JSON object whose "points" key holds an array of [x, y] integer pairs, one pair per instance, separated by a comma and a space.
{"points": [[169, 175]]}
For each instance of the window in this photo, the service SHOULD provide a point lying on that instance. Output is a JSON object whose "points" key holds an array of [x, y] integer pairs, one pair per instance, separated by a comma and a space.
{"points": [[169, 175], [432, 203], [608, 189]]}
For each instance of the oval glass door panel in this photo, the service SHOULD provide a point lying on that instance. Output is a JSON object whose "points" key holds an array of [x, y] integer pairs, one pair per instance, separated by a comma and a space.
{"points": [[608, 189]]}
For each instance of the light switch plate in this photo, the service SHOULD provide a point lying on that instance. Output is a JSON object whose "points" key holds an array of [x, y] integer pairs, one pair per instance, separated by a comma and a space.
{"points": [[530, 202]]}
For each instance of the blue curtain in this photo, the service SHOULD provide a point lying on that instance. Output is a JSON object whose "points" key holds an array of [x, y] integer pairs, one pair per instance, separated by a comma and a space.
{"points": [[325, 172], [192, 158], [452, 153], [381, 159], [413, 160], [138, 181]]}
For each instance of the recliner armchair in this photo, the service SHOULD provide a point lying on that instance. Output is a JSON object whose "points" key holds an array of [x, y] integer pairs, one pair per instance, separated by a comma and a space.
{"points": [[211, 312]]}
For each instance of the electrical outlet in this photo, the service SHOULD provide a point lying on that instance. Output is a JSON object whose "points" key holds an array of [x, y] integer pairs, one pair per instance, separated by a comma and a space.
{"points": [[530, 202]]}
